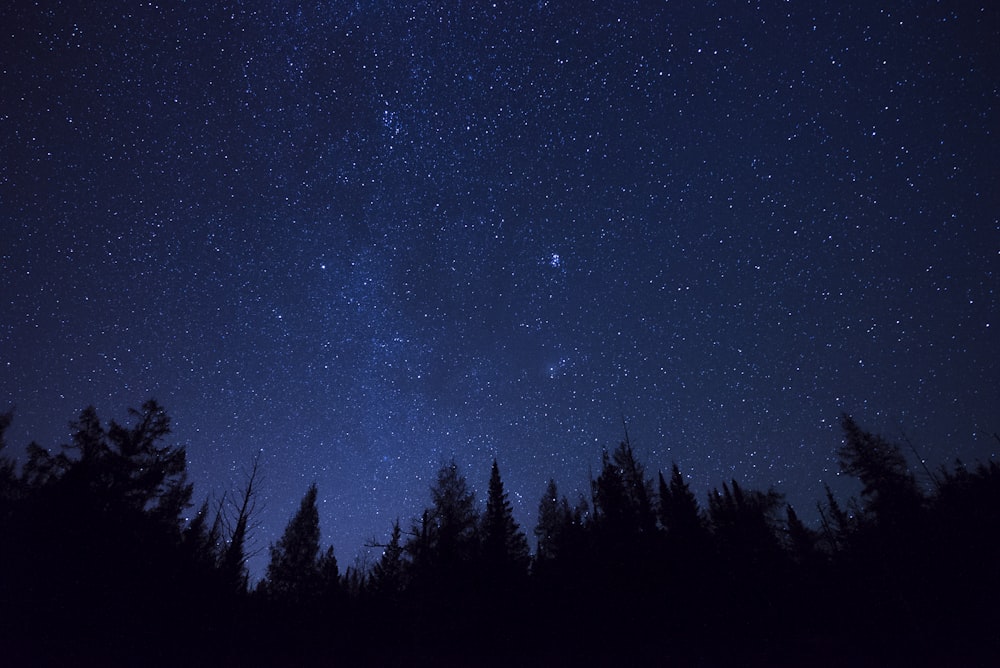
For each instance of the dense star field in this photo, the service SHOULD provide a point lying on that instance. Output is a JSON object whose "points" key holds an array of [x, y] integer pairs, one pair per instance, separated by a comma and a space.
{"points": [[362, 238]]}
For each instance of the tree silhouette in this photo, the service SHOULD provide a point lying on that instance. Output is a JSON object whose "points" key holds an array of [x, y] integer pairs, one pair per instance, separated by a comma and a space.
{"points": [[550, 520], [293, 571], [328, 575], [451, 524], [99, 533], [505, 549], [888, 487], [443, 576], [202, 540], [387, 575], [837, 525], [745, 522], [562, 532], [800, 539], [123, 469], [622, 494], [233, 556], [101, 564], [679, 514]]}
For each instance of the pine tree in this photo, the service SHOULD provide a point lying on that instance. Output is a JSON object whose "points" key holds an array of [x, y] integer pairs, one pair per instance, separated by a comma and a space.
{"points": [[387, 574], [293, 571], [888, 487], [201, 540], [147, 476], [678, 508], [549, 523], [328, 575], [623, 494], [562, 529], [836, 523], [505, 548], [801, 540], [453, 517], [121, 470], [99, 534], [745, 522]]}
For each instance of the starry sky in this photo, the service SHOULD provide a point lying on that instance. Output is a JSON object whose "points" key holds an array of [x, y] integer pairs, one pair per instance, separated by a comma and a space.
{"points": [[362, 238]]}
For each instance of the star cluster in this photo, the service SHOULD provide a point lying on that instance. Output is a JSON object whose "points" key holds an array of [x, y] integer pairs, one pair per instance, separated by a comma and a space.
{"points": [[363, 238]]}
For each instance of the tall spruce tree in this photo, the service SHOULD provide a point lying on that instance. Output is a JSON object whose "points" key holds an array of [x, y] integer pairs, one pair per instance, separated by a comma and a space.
{"points": [[387, 574], [678, 508], [505, 549], [293, 572], [623, 494], [453, 517], [549, 523]]}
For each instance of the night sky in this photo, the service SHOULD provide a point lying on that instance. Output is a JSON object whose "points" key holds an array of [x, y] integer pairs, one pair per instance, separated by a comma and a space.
{"points": [[362, 238]]}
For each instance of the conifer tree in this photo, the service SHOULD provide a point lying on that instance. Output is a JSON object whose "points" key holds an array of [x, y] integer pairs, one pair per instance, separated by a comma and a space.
{"points": [[121, 470], [836, 523], [201, 540], [549, 523], [563, 533], [328, 574], [678, 508], [888, 487], [744, 522], [99, 532], [801, 540], [149, 477], [623, 494], [293, 571], [505, 549], [453, 517], [387, 574]]}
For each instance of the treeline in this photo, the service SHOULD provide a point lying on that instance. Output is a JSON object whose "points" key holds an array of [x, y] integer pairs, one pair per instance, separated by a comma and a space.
{"points": [[101, 564]]}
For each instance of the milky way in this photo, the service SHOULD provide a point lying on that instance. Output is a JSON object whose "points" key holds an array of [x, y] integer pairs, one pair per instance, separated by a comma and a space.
{"points": [[364, 238]]}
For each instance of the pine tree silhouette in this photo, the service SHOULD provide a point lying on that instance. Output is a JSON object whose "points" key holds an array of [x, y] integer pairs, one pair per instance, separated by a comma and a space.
{"points": [[293, 571], [505, 548], [888, 487], [387, 575]]}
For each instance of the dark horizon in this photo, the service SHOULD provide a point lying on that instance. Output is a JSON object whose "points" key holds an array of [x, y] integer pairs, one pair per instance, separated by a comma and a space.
{"points": [[102, 566], [845, 488]]}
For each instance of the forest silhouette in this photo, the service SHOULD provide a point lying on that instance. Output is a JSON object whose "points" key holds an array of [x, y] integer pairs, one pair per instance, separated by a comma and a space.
{"points": [[99, 566]]}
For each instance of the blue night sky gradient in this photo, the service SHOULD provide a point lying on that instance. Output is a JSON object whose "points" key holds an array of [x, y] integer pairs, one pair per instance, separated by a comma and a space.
{"points": [[365, 237]]}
